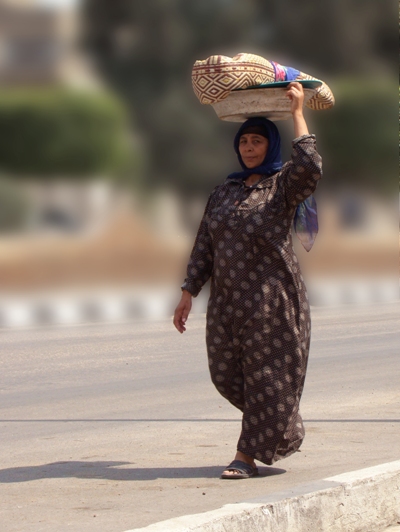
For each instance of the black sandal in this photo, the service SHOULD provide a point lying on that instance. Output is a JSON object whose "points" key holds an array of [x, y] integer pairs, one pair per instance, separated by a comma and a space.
{"points": [[242, 470]]}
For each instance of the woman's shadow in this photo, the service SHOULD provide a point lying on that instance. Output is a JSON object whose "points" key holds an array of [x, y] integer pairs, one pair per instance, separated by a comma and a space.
{"points": [[114, 471]]}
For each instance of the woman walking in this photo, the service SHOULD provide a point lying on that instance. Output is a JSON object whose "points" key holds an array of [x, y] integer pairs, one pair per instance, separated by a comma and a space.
{"points": [[258, 317]]}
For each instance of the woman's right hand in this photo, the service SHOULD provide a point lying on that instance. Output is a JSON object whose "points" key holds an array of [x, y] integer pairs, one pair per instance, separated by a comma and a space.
{"points": [[182, 311]]}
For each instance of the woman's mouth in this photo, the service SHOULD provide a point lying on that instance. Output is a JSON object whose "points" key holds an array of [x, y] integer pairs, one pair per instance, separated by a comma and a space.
{"points": [[249, 160]]}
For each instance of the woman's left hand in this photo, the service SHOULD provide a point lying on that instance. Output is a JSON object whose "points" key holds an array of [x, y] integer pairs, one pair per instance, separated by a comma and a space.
{"points": [[295, 93]]}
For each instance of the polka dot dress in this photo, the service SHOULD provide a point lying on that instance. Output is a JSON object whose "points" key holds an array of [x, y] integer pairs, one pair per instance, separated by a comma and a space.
{"points": [[258, 316]]}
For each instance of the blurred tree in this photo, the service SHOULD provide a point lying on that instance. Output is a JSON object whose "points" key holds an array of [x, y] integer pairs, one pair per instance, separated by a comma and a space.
{"points": [[145, 51], [362, 129], [15, 206], [57, 133], [340, 37]]}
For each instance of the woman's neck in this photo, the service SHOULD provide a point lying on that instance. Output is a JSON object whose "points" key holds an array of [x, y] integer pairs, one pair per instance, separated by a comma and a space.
{"points": [[252, 179]]}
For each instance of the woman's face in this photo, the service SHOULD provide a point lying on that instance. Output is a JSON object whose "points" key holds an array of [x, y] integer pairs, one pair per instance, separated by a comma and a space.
{"points": [[253, 149]]}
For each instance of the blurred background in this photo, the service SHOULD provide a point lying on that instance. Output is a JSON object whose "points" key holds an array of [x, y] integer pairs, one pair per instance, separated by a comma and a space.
{"points": [[107, 157]]}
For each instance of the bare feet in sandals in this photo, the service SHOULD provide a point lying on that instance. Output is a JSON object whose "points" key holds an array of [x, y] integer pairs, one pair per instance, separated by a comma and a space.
{"points": [[243, 466]]}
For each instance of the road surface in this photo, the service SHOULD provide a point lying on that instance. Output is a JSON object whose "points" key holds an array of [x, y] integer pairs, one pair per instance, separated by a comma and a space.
{"points": [[109, 427]]}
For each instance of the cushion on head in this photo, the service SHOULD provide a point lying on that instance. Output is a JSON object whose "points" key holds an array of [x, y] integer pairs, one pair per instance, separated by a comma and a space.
{"points": [[216, 77]]}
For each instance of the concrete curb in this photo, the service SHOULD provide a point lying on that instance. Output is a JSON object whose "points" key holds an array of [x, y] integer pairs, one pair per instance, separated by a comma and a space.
{"points": [[367, 500], [136, 303]]}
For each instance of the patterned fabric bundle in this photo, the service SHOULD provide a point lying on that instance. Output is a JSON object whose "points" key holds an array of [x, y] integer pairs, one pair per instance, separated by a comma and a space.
{"points": [[216, 77]]}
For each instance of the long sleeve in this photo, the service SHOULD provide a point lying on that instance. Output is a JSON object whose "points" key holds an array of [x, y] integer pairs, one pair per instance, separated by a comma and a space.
{"points": [[200, 264], [304, 170]]}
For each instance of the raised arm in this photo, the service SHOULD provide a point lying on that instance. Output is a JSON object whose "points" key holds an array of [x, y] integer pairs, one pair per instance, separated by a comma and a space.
{"points": [[302, 174], [296, 94]]}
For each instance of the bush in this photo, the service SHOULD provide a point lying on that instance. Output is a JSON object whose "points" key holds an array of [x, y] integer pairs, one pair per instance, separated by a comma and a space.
{"points": [[358, 136], [14, 206], [49, 133]]}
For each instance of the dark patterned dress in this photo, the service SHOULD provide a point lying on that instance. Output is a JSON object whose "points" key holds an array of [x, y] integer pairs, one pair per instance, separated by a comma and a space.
{"points": [[258, 316]]}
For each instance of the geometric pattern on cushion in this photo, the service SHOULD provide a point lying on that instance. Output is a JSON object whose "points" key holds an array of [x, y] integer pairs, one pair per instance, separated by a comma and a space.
{"points": [[215, 77]]}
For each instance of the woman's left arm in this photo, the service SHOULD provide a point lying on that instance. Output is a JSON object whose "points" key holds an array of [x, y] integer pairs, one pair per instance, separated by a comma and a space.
{"points": [[305, 169], [295, 93]]}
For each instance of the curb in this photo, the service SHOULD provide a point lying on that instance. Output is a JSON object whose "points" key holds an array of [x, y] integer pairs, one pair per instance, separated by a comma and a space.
{"points": [[140, 303], [328, 292], [367, 500]]}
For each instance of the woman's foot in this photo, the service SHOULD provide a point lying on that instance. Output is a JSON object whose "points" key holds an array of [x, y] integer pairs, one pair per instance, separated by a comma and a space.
{"points": [[242, 471]]}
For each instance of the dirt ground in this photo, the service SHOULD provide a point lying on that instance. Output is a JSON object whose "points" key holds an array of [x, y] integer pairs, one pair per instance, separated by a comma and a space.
{"points": [[129, 251]]}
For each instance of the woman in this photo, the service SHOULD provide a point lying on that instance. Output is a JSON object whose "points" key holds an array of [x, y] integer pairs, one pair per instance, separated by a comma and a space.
{"points": [[258, 317]]}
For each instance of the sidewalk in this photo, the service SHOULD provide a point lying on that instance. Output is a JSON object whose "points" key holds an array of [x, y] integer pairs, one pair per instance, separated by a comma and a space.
{"points": [[367, 500]]}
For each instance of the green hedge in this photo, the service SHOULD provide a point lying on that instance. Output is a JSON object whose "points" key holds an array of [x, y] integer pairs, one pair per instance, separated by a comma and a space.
{"points": [[15, 206], [358, 138], [51, 133]]}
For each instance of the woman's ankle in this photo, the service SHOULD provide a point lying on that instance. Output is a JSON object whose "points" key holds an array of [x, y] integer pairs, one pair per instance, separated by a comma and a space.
{"points": [[244, 458]]}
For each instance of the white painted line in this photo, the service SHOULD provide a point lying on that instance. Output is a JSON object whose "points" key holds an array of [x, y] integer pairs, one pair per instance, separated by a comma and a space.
{"points": [[135, 304]]}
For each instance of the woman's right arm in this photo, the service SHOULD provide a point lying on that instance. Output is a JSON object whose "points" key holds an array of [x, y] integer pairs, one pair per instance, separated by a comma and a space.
{"points": [[182, 311], [199, 270]]}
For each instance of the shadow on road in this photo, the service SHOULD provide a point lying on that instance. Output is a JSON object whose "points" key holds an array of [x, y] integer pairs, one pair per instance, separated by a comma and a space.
{"points": [[114, 471]]}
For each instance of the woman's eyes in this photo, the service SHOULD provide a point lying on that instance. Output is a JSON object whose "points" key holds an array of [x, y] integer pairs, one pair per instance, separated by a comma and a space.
{"points": [[254, 141]]}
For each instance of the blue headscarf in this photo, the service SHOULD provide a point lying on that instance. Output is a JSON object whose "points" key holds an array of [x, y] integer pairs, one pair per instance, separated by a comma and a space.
{"points": [[273, 160], [305, 219]]}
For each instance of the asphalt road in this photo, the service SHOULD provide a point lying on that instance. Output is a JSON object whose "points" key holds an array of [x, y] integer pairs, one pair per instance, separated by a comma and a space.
{"points": [[109, 427]]}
